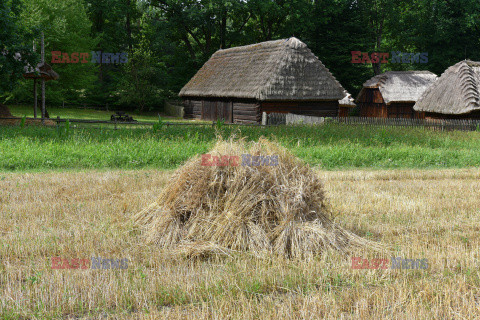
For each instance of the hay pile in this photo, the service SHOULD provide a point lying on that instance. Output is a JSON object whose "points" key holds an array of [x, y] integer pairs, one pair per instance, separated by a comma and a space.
{"points": [[261, 209]]}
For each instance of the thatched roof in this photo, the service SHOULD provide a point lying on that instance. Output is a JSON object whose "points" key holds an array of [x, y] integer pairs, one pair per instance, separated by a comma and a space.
{"points": [[455, 92], [273, 70], [43, 70], [400, 86], [347, 101]]}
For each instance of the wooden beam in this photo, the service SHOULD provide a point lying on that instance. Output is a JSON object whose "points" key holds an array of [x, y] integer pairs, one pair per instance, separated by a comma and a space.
{"points": [[35, 98], [43, 80]]}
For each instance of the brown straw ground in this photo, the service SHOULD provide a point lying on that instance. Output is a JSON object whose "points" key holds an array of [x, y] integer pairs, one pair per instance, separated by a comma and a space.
{"points": [[15, 121], [262, 209]]}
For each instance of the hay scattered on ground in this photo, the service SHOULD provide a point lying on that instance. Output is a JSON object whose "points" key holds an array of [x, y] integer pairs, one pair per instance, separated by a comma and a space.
{"points": [[262, 209], [28, 122], [5, 113]]}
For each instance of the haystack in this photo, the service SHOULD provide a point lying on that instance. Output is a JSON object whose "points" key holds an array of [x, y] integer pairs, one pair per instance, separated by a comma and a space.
{"points": [[263, 209]]}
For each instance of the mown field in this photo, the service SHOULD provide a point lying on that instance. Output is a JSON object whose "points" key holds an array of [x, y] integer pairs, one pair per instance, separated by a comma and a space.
{"points": [[418, 214], [71, 193], [328, 147]]}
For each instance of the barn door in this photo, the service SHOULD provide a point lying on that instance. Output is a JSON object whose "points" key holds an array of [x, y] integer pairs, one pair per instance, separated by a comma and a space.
{"points": [[225, 111], [208, 110]]}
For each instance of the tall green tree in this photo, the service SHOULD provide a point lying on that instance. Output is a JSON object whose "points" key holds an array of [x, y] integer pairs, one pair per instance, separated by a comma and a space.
{"points": [[15, 46], [448, 30], [66, 28], [115, 23]]}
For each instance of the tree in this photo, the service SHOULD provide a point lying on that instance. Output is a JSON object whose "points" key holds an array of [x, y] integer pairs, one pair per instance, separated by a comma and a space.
{"points": [[15, 46], [67, 29]]}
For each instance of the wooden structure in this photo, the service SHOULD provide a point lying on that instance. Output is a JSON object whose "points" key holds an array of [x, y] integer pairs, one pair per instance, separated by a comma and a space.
{"points": [[393, 94], [238, 84], [346, 104], [43, 72], [455, 95]]}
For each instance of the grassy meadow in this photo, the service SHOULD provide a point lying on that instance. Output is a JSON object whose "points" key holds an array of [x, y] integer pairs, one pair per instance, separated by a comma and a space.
{"points": [[329, 147], [417, 214]]}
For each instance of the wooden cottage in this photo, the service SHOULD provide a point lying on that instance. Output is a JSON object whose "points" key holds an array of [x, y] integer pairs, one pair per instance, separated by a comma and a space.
{"points": [[238, 84], [393, 94], [455, 95]]}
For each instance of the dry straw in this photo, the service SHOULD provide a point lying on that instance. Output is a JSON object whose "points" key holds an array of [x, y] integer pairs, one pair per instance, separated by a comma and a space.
{"points": [[260, 209], [284, 69]]}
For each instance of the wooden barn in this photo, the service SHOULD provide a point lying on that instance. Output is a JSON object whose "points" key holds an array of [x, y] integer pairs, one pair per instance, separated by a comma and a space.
{"points": [[238, 84], [455, 95], [393, 94]]}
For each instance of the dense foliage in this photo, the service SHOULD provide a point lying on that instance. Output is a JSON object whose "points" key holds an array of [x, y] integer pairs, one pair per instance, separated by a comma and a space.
{"points": [[168, 40]]}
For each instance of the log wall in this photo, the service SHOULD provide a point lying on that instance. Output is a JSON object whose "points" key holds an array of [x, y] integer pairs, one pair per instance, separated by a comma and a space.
{"points": [[250, 111], [246, 112], [308, 108], [372, 105], [472, 115], [192, 109]]}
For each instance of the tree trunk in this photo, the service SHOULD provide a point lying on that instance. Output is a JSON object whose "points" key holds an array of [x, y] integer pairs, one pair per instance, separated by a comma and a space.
{"points": [[35, 98], [223, 29], [377, 69], [4, 112], [129, 31]]}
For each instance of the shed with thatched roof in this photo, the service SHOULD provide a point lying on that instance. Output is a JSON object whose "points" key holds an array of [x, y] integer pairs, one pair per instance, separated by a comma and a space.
{"points": [[393, 94], [455, 95], [238, 84]]}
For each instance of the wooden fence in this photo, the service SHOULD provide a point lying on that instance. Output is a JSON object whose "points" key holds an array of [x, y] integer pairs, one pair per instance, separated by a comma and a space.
{"points": [[438, 124], [274, 119], [117, 124]]}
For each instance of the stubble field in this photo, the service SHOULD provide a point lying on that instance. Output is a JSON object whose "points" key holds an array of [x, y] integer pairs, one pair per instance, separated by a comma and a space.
{"points": [[416, 214]]}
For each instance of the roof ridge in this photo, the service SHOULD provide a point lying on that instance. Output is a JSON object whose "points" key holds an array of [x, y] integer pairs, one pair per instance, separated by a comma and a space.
{"points": [[455, 92], [282, 63], [469, 84], [291, 42], [408, 71]]}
